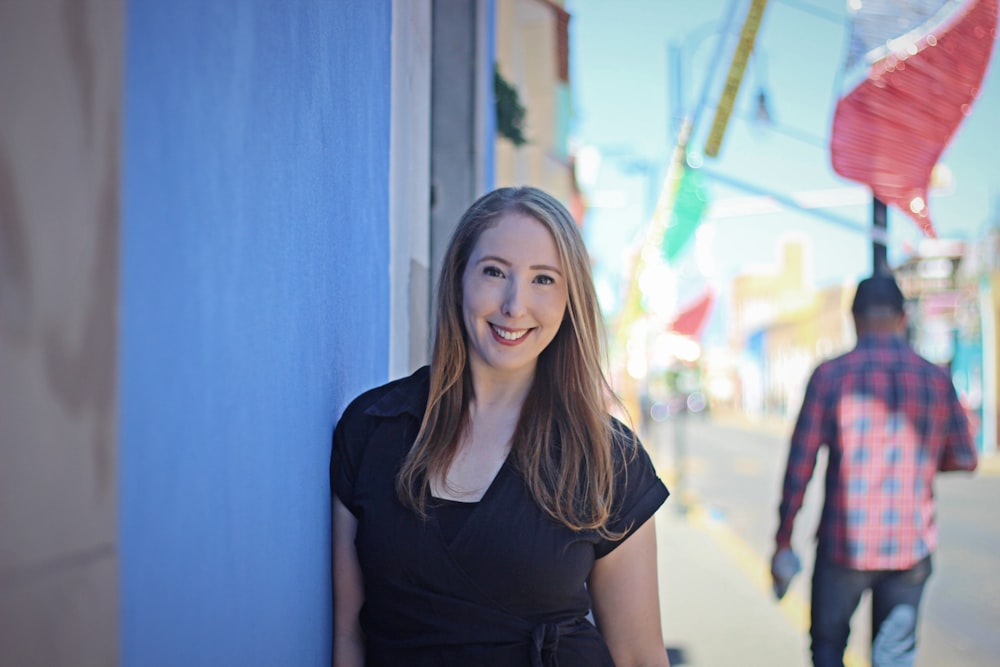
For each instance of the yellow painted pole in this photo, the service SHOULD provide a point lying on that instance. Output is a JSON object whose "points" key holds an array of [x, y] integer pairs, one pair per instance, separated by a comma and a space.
{"points": [[735, 77]]}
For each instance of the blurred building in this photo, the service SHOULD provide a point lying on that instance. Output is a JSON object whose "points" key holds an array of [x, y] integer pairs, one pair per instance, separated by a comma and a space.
{"points": [[781, 328], [929, 279], [532, 66], [977, 371], [953, 308]]}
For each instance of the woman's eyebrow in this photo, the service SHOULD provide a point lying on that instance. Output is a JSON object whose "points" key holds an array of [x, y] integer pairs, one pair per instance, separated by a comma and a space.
{"points": [[533, 267], [493, 258]]}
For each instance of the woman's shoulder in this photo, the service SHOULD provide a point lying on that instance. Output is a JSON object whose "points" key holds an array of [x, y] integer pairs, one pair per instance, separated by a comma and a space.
{"points": [[353, 441], [403, 395], [361, 418], [638, 491], [622, 435]]}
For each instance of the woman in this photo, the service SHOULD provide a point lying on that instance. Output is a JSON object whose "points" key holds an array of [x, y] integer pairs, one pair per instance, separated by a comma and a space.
{"points": [[484, 506]]}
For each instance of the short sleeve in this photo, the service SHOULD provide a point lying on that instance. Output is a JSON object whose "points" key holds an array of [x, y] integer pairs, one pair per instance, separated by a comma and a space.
{"points": [[373, 435], [345, 456], [639, 492]]}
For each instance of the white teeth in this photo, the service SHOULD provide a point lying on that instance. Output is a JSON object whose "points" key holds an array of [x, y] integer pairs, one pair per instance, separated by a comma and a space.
{"points": [[510, 335]]}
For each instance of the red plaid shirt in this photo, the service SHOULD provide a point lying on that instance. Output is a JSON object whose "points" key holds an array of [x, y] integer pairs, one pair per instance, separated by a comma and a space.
{"points": [[890, 420]]}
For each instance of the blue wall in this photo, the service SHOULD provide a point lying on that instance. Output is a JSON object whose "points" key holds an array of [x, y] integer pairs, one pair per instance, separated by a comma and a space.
{"points": [[254, 304]]}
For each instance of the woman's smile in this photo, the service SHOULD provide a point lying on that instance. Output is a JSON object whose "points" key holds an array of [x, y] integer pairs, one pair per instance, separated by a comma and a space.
{"points": [[509, 336]]}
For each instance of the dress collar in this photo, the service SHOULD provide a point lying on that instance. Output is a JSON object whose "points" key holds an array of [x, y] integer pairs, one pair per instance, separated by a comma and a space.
{"points": [[406, 396]]}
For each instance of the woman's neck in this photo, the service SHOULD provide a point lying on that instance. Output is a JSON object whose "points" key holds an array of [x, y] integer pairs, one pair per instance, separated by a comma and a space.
{"points": [[493, 391], [486, 441]]}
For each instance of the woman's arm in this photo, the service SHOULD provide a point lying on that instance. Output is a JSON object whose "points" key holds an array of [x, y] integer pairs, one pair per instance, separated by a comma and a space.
{"points": [[348, 593], [626, 598]]}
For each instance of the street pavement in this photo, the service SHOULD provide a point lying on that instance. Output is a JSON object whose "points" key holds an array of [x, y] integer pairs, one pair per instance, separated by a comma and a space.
{"points": [[715, 539]]}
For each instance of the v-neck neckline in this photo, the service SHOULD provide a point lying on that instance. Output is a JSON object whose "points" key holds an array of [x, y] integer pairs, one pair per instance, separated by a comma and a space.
{"points": [[486, 490], [476, 506]]}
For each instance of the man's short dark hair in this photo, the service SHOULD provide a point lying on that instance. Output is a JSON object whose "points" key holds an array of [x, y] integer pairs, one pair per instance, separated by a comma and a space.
{"points": [[878, 294]]}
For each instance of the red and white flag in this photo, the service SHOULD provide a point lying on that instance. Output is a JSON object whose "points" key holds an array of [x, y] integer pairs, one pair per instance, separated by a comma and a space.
{"points": [[914, 68]]}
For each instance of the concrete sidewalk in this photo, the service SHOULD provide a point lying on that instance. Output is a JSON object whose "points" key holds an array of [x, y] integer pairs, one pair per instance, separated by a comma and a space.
{"points": [[716, 601], [715, 605]]}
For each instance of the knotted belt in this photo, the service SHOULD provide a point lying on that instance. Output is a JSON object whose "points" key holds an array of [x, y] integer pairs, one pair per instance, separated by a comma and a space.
{"points": [[545, 641]]}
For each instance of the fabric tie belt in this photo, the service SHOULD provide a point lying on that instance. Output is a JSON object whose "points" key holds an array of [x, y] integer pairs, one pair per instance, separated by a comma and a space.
{"points": [[545, 642]]}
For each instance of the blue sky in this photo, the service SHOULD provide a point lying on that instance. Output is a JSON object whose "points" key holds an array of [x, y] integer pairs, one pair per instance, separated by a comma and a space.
{"points": [[621, 87]]}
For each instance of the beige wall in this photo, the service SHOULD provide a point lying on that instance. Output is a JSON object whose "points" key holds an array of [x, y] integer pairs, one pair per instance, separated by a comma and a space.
{"points": [[60, 114], [409, 196], [800, 339], [782, 301], [461, 76], [526, 54], [762, 297]]}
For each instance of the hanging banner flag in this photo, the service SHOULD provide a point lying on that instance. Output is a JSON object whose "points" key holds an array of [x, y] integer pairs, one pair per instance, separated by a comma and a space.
{"points": [[690, 205], [692, 319], [914, 68]]}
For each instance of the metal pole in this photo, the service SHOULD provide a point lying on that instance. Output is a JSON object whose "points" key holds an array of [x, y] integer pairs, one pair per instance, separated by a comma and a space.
{"points": [[680, 453], [675, 86], [880, 226]]}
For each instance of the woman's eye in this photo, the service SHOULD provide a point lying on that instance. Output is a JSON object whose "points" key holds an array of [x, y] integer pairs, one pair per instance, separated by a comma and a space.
{"points": [[493, 272], [544, 280]]}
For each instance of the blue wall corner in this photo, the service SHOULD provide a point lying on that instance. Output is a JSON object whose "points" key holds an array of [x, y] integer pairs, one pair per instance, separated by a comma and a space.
{"points": [[254, 305]]}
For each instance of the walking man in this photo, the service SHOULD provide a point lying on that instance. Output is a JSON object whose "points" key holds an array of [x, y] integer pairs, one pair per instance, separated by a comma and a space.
{"points": [[890, 421]]}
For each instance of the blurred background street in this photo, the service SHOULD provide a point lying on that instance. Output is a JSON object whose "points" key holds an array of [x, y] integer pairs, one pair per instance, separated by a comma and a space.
{"points": [[716, 540], [726, 254]]}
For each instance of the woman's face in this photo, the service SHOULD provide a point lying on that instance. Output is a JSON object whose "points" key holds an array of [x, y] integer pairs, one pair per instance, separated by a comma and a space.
{"points": [[514, 295]]}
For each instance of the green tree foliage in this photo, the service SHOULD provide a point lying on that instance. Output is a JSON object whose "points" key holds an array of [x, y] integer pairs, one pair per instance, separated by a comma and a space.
{"points": [[510, 112]]}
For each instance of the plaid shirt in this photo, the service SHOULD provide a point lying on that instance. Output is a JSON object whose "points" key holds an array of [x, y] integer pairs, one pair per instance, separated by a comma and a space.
{"points": [[890, 420]]}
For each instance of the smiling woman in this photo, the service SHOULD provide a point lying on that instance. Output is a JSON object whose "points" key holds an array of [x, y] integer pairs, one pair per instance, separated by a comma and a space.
{"points": [[514, 297], [524, 506]]}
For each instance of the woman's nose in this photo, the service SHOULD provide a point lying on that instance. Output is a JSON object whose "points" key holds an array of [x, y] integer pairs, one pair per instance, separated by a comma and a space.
{"points": [[513, 305]]}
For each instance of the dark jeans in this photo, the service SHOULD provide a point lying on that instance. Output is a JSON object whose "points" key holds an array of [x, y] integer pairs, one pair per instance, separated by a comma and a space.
{"points": [[896, 594]]}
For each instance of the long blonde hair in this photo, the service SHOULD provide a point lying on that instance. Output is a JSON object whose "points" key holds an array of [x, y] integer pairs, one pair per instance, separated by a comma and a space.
{"points": [[563, 440]]}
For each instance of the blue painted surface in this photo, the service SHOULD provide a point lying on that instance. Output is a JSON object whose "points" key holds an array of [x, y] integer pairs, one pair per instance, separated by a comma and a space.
{"points": [[254, 304], [967, 374]]}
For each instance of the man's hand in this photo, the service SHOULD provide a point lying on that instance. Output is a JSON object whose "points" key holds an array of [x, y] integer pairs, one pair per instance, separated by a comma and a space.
{"points": [[784, 566]]}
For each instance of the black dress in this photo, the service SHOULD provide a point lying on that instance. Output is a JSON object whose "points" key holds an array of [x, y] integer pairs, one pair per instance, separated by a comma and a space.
{"points": [[509, 589]]}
